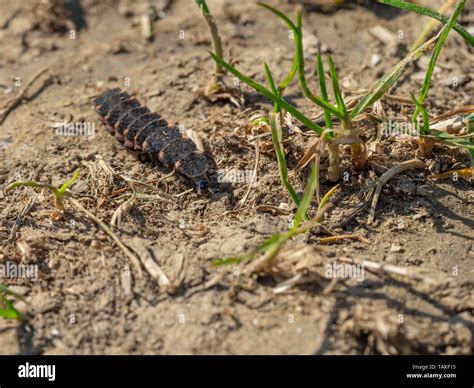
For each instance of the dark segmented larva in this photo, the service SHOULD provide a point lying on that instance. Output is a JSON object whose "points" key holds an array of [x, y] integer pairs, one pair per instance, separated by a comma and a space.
{"points": [[144, 131]]}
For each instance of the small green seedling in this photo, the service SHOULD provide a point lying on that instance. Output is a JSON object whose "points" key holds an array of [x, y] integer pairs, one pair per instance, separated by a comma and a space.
{"points": [[7, 308], [274, 121], [216, 83], [427, 145], [349, 133], [428, 136], [59, 193]]}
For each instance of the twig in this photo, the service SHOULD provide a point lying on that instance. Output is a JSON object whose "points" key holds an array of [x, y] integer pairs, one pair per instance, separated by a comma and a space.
{"points": [[331, 239], [458, 111], [10, 18], [183, 193], [18, 99], [368, 192], [123, 208], [386, 176], [254, 175], [111, 234], [155, 270], [388, 268]]}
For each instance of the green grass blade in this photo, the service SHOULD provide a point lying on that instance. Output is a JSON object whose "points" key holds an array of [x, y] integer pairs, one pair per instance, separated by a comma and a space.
{"points": [[271, 82], [289, 77], [336, 87], [431, 13], [7, 309], [268, 73], [10, 313], [324, 92], [68, 183], [203, 5], [267, 93], [389, 79], [307, 198], [272, 240], [297, 34], [434, 56], [326, 197], [426, 118], [294, 68], [276, 139], [281, 15], [16, 184], [453, 140]]}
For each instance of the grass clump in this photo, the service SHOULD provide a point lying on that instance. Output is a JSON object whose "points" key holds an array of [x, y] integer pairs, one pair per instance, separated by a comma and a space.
{"points": [[340, 122], [59, 192], [426, 144]]}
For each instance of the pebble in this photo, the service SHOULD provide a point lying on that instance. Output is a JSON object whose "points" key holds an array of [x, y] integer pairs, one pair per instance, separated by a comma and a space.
{"points": [[96, 244], [375, 59], [383, 35], [396, 248]]}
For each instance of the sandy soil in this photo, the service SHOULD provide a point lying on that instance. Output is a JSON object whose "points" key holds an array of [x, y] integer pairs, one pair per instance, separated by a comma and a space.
{"points": [[90, 298]]}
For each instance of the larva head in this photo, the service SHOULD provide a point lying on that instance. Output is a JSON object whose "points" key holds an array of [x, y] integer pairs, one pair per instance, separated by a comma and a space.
{"points": [[194, 166], [202, 183]]}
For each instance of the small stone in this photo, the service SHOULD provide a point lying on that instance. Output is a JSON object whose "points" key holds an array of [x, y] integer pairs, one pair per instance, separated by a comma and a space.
{"points": [[53, 263], [444, 328], [383, 35], [96, 244], [375, 59], [396, 248]]}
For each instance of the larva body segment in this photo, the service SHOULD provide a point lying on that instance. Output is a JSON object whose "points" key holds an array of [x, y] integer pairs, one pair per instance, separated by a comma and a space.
{"points": [[121, 109], [147, 132], [154, 126], [127, 119], [105, 102], [138, 125], [175, 150]]}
